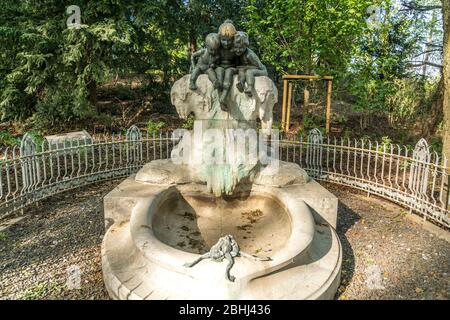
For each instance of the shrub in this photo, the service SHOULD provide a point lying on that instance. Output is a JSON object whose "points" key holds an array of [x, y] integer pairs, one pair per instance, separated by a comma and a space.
{"points": [[188, 123], [7, 139], [407, 99], [154, 127]]}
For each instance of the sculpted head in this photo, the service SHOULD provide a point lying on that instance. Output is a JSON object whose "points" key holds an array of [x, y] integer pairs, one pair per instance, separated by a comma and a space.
{"points": [[230, 238], [212, 43], [227, 31], [240, 43]]}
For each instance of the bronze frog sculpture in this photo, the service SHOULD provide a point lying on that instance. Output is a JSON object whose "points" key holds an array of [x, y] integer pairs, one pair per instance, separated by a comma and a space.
{"points": [[225, 248]]}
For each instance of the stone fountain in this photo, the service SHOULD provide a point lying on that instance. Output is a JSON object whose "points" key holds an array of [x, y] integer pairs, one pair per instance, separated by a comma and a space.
{"points": [[223, 218]]}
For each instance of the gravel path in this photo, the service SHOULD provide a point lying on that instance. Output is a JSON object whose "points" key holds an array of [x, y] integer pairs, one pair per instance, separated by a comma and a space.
{"points": [[386, 255]]}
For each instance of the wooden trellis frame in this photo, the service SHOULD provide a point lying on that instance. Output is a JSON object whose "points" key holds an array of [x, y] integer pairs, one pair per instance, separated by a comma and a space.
{"points": [[287, 98]]}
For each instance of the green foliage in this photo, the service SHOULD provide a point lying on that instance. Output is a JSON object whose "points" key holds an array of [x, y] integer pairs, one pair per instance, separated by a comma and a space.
{"points": [[37, 137], [35, 292], [7, 139], [436, 145], [52, 69], [123, 92], [312, 121], [201, 17], [50, 75], [322, 131], [385, 144], [380, 78], [369, 94], [306, 37], [347, 134], [408, 98], [53, 72], [188, 123], [338, 119], [3, 236], [302, 133], [371, 65], [155, 127], [276, 125]]}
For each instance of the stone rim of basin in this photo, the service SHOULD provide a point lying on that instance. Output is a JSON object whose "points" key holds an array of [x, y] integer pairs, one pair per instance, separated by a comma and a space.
{"points": [[170, 258]]}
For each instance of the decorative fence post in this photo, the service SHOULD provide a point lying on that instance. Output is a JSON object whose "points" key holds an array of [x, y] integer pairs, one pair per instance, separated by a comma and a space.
{"points": [[133, 145], [418, 175], [314, 152], [29, 167]]}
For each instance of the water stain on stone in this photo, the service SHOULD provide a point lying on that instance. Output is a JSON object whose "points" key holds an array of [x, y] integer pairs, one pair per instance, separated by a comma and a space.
{"points": [[252, 216], [189, 216], [199, 245]]}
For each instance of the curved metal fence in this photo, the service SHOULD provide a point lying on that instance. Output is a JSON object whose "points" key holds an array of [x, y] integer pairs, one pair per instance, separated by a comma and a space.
{"points": [[417, 179], [414, 178]]}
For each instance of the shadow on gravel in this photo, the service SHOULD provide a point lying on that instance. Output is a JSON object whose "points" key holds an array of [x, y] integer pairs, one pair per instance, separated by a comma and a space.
{"points": [[49, 235], [345, 220]]}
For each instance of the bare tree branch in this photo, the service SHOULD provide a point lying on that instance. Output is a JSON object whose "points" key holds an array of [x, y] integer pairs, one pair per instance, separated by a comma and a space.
{"points": [[428, 51], [413, 5], [439, 46], [422, 63]]}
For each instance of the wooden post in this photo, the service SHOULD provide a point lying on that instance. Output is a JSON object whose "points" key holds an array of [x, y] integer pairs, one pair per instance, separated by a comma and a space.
{"points": [[306, 99], [283, 109], [289, 105], [286, 114], [328, 115]]}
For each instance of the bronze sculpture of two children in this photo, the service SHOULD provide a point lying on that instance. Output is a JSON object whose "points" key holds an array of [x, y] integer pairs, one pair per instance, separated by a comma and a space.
{"points": [[226, 53]]}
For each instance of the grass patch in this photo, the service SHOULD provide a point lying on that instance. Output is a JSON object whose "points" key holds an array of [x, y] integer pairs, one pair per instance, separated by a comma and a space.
{"points": [[41, 290], [3, 236]]}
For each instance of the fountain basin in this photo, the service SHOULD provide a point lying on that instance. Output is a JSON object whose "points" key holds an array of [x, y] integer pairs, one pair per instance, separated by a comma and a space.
{"points": [[154, 229], [194, 221]]}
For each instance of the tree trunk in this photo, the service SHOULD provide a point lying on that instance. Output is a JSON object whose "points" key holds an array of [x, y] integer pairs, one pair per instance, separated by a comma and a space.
{"points": [[430, 121], [92, 87], [440, 109], [446, 77], [428, 46], [446, 83], [192, 42], [306, 98]]}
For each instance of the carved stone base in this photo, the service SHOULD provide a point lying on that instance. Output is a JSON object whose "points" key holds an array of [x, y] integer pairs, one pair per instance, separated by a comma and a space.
{"points": [[166, 172]]}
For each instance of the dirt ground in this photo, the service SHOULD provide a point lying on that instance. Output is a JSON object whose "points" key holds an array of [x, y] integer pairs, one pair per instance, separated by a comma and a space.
{"points": [[386, 255]]}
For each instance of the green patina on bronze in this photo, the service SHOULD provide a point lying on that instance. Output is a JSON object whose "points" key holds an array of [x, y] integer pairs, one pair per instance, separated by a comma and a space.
{"points": [[225, 55]]}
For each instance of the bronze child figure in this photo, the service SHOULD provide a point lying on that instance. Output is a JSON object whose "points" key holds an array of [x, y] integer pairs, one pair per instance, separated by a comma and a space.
{"points": [[207, 60], [227, 67], [249, 65]]}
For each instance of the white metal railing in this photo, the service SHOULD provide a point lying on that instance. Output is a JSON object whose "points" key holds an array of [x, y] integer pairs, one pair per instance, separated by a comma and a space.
{"points": [[417, 179]]}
